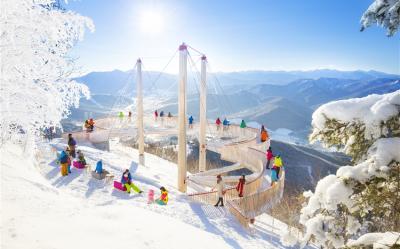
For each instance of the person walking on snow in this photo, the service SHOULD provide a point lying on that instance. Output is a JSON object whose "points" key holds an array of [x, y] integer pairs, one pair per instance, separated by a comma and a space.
{"points": [[269, 157], [220, 191], [191, 122], [240, 185], [218, 123], [126, 180], [71, 145], [163, 200]]}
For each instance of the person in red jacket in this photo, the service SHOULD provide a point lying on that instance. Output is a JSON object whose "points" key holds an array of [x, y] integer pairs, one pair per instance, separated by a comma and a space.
{"points": [[218, 123], [155, 115], [240, 186], [269, 156]]}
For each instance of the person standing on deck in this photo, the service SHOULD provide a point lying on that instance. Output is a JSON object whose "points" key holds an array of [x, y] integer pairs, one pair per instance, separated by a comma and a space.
{"points": [[278, 164], [155, 115], [191, 122], [269, 157], [225, 123], [220, 191], [243, 127], [240, 185], [218, 123], [263, 134]]}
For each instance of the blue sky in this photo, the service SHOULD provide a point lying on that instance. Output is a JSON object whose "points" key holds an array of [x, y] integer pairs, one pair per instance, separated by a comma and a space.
{"points": [[235, 35]]}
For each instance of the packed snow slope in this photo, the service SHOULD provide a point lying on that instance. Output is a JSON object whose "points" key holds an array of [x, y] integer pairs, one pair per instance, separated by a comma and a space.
{"points": [[42, 209]]}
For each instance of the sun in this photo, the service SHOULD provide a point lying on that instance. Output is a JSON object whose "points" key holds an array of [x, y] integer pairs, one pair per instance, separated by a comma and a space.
{"points": [[151, 22]]}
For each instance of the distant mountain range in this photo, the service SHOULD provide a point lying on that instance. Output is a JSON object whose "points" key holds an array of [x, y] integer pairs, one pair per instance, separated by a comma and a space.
{"points": [[276, 99], [112, 82]]}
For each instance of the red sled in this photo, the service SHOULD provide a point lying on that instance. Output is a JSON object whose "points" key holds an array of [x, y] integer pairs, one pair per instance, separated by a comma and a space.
{"points": [[119, 186], [78, 165]]}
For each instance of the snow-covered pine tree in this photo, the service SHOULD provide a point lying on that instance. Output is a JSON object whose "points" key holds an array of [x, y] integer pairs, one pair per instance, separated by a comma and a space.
{"points": [[359, 207], [385, 13], [36, 90]]}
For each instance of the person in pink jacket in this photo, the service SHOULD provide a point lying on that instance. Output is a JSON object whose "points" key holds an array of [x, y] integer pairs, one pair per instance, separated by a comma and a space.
{"points": [[269, 156]]}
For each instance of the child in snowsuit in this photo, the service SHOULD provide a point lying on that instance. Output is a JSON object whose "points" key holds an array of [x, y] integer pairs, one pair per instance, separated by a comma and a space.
{"points": [[240, 186], [150, 196], [64, 162], [163, 200], [99, 167], [81, 158], [221, 191], [126, 180], [269, 157]]}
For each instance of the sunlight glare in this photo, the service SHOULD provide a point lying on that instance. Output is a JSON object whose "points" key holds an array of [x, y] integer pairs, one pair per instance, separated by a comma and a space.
{"points": [[151, 22]]}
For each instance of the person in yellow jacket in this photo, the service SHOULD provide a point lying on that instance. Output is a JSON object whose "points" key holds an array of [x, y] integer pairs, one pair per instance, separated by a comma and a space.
{"points": [[278, 164], [163, 200]]}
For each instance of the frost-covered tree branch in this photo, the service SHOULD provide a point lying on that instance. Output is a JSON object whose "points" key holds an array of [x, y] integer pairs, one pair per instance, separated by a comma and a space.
{"points": [[362, 201], [35, 87], [385, 13]]}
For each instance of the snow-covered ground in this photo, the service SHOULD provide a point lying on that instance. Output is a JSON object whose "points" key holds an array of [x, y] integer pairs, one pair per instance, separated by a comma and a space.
{"points": [[42, 209]]}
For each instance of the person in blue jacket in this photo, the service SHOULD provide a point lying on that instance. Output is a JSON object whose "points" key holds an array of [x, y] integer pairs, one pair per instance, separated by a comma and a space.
{"points": [[126, 180], [225, 123], [99, 167], [191, 122]]}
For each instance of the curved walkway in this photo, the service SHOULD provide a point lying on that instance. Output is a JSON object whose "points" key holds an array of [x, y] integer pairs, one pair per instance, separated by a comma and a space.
{"points": [[236, 145]]}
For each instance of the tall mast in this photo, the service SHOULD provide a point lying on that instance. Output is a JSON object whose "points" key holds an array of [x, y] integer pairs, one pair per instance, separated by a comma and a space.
{"points": [[203, 115], [139, 93], [182, 167]]}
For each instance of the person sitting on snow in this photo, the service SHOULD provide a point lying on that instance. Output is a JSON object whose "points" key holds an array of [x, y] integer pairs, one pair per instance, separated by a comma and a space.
{"points": [[126, 180], [163, 200], [99, 167], [81, 158]]}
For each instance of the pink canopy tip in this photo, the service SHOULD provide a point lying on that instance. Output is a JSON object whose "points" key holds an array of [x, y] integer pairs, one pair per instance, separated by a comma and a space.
{"points": [[182, 47]]}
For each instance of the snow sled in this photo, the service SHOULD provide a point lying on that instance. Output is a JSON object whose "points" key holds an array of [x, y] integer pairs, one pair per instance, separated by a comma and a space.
{"points": [[78, 165], [104, 175], [119, 186]]}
